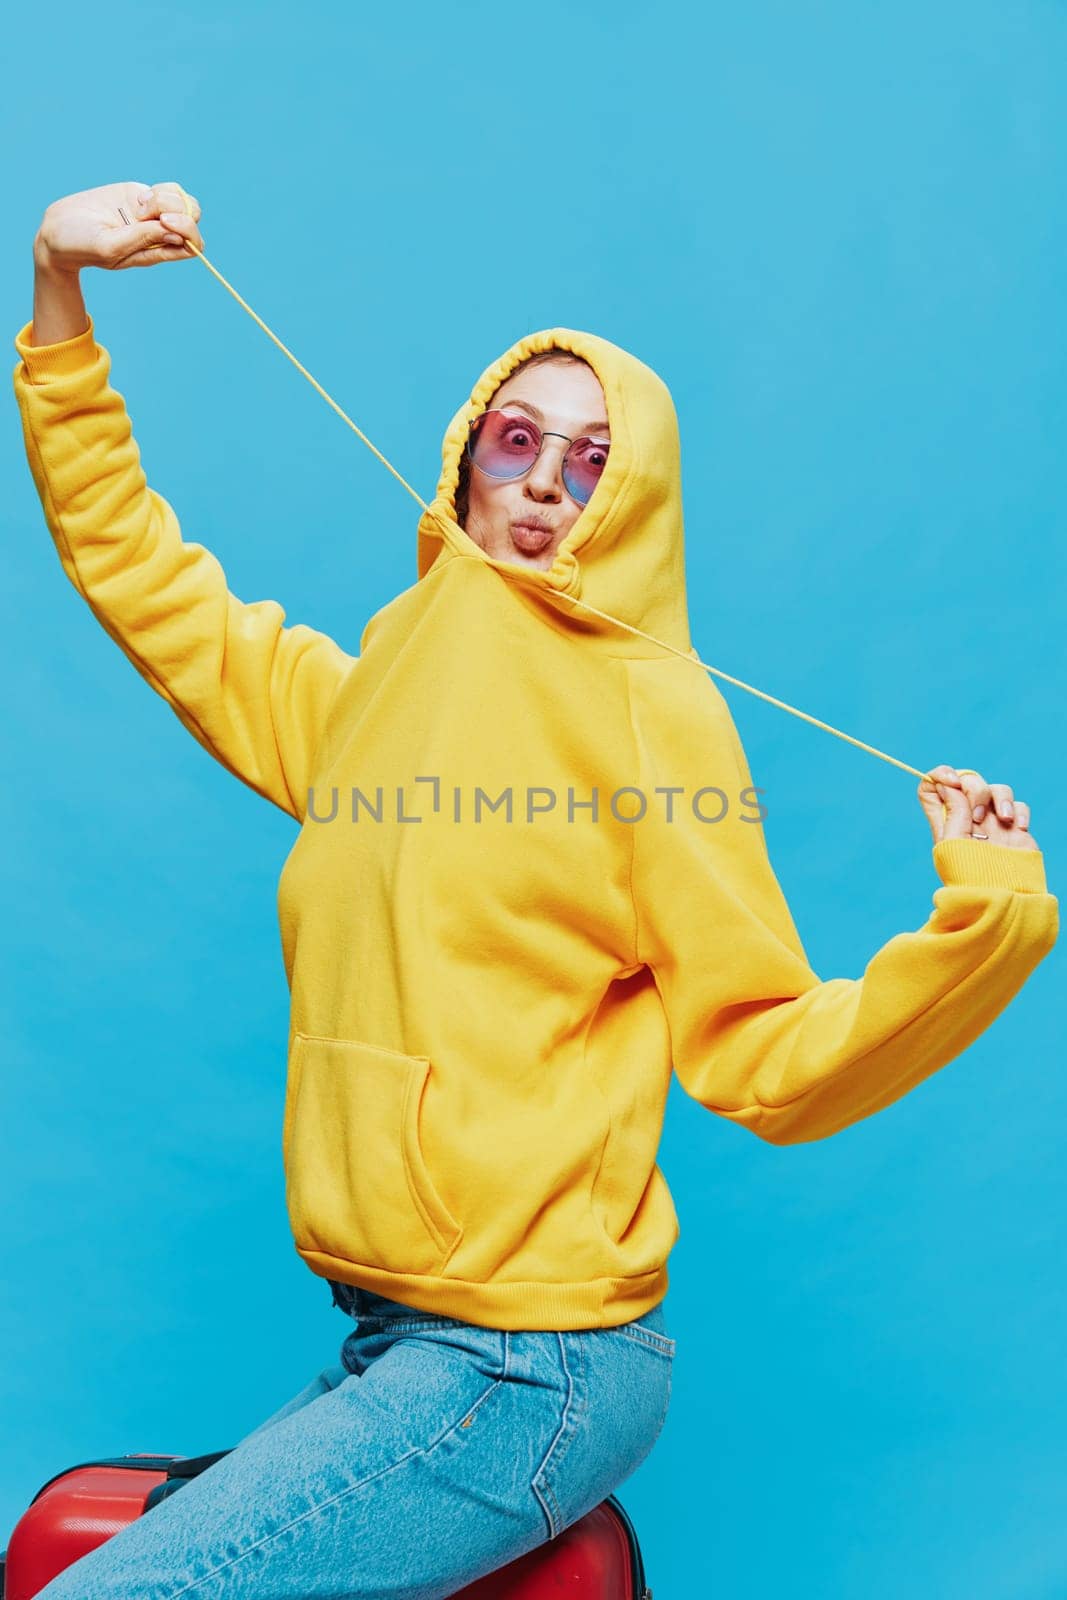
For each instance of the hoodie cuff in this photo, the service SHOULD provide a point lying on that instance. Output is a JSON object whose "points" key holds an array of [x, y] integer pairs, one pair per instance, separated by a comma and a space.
{"points": [[44, 361], [988, 865]]}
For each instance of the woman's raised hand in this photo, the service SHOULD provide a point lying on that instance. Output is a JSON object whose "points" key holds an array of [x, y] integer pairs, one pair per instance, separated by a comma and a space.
{"points": [[974, 805], [87, 229]]}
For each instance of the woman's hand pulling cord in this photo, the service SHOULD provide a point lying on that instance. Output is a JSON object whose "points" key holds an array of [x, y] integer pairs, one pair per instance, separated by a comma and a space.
{"points": [[118, 225], [959, 803]]}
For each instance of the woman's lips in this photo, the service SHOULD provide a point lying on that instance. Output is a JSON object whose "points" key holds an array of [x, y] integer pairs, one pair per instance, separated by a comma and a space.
{"points": [[531, 538]]}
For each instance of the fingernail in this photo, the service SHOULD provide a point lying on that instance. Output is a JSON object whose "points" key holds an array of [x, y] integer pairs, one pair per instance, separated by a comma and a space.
{"points": [[171, 217], [979, 813], [1006, 809]]}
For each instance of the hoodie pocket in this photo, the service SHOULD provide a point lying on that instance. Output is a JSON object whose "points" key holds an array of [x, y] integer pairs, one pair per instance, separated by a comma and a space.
{"points": [[357, 1184]]}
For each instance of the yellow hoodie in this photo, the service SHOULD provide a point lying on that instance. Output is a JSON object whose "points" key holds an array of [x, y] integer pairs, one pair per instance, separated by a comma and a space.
{"points": [[491, 981]]}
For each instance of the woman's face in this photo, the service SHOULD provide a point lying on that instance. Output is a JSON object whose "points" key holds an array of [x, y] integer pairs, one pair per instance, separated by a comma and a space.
{"points": [[524, 520]]}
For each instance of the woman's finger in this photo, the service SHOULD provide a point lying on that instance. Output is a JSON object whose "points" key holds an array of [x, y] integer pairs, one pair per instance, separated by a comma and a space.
{"points": [[934, 791], [944, 774], [946, 807], [1022, 814], [135, 235], [957, 818], [161, 252], [154, 199], [184, 226], [170, 195], [977, 791], [125, 242], [1003, 799]]}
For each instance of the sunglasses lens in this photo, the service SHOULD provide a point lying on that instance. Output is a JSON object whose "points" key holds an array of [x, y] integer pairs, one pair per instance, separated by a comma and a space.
{"points": [[503, 445], [585, 462]]}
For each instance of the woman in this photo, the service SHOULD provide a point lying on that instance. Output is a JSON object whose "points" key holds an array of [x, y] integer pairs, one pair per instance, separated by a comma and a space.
{"points": [[526, 888]]}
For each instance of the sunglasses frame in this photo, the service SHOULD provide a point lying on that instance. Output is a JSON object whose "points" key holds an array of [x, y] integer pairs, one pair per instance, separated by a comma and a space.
{"points": [[543, 434]]}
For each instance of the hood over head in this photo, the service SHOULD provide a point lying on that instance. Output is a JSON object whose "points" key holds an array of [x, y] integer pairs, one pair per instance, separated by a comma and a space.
{"points": [[625, 553]]}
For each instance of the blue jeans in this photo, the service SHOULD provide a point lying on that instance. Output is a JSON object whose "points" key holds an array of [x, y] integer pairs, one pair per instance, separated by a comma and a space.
{"points": [[435, 1452]]}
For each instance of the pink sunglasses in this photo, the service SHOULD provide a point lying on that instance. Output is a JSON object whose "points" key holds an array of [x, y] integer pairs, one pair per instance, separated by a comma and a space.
{"points": [[505, 444]]}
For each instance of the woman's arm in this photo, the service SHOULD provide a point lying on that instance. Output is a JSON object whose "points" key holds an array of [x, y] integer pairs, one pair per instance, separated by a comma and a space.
{"points": [[756, 1036], [58, 303], [253, 692]]}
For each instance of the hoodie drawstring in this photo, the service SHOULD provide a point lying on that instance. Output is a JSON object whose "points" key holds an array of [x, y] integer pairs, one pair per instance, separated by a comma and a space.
{"points": [[573, 600]]}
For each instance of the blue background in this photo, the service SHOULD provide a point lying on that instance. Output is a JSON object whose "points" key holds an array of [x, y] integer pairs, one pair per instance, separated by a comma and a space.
{"points": [[837, 231]]}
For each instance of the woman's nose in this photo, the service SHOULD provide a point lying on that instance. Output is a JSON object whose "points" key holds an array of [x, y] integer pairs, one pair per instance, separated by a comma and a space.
{"points": [[545, 478]]}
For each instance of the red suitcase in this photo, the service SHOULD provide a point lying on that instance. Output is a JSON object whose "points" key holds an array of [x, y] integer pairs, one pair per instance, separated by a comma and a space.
{"points": [[597, 1558]]}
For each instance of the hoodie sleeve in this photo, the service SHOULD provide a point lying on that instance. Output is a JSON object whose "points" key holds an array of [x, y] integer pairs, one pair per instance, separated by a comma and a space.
{"points": [[252, 691], [756, 1035]]}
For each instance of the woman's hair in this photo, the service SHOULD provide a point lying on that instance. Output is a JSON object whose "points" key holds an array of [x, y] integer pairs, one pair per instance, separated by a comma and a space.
{"points": [[463, 484]]}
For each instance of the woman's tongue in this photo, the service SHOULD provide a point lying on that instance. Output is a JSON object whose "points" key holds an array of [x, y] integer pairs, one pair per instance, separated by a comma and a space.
{"points": [[531, 541]]}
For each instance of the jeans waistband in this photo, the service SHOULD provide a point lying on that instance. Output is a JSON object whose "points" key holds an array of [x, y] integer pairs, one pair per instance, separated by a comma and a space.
{"points": [[359, 1302]]}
